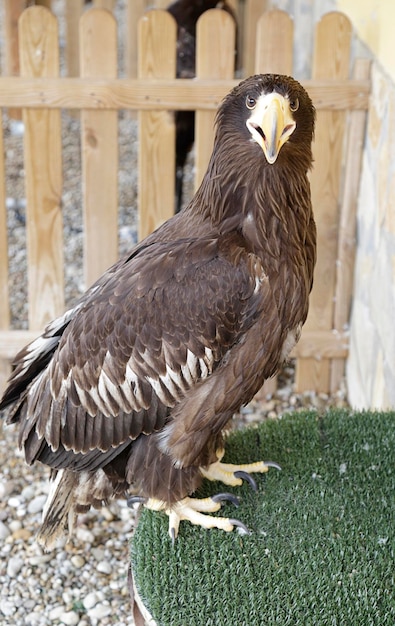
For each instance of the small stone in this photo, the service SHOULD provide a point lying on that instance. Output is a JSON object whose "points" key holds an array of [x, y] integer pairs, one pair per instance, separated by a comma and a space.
{"points": [[104, 567], [36, 505], [15, 525], [7, 608], [99, 611], [84, 535], [71, 618], [98, 553], [14, 566], [4, 531], [28, 492], [40, 558], [90, 600], [77, 560], [22, 533], [14, 502], [56, 612], [6, 488]]}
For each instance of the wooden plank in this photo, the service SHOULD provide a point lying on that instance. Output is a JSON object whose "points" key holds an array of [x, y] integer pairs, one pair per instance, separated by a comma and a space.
{"points": [[109, 5], [12, 11], [134, 12], [157, 59], [39, 56], [270, 57], [99, 141], [4, 294], [73, 12], [152, 94], [313, 344], [330, 61], [215, 47], [348, 222], [253, 9]]}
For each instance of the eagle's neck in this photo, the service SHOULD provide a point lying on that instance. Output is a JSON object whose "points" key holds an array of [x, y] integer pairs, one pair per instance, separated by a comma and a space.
{"points": [[268, 204]]}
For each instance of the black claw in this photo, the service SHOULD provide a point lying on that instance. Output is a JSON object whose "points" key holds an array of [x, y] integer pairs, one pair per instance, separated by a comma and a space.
{"points": [[239, 524], [173, 536], [273, 464], [247, 477], [229, 497], [135, 500]]}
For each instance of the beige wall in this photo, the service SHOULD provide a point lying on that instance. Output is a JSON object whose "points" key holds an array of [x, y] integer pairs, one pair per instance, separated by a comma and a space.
{"points": [[374, 22], [371, 365]]}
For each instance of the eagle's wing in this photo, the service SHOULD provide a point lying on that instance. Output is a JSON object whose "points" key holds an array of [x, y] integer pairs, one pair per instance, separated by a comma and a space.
{"points": [[137, 346]]}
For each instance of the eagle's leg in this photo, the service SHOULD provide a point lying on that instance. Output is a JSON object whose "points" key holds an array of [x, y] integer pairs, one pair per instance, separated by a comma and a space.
{"points": [[234, 475], [194, 510]]}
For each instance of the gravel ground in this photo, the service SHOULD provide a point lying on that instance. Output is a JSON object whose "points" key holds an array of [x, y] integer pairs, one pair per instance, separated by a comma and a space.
{"points": [[84, 581]]}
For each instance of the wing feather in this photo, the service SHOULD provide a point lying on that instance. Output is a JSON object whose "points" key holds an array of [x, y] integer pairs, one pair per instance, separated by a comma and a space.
{"points": [[137, 345]]}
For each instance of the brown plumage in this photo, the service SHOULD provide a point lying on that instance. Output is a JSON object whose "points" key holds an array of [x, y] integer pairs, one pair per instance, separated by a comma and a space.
{"points": [[131, 389]]}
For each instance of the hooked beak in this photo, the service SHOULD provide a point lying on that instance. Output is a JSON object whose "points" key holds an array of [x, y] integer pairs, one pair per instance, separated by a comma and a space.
{"points": [[271, 124]]}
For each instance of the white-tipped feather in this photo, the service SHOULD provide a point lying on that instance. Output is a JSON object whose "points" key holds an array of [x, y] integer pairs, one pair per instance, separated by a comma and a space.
{"points": [[58, 513]]}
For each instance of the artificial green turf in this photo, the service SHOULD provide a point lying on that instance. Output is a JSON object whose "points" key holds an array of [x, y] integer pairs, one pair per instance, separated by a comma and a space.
{"points": [[322, 543]]}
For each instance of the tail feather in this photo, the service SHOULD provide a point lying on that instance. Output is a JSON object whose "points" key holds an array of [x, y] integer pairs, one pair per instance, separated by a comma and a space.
{"points": [[59, 511], [71, 493]]}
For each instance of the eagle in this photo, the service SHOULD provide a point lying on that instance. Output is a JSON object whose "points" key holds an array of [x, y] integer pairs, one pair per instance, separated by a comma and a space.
{"points": [[130, 392]]}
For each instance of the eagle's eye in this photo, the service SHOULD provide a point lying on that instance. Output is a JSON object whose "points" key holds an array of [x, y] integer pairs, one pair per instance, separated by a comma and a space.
{"points": [[250, 102], [294, 104]]}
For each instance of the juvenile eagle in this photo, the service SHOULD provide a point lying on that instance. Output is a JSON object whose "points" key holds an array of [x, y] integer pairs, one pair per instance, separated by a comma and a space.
{"points": [[129, 392]]}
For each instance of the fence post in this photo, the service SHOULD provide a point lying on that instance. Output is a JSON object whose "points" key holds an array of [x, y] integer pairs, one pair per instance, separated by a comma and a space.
{"points": [[99, 141], [39, 57], [156, 59], [331, 61], [348, 221], [215, 58]]}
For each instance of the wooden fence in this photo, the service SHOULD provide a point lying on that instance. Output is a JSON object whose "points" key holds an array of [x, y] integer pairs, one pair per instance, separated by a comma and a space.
{"points": [[341, 104]]}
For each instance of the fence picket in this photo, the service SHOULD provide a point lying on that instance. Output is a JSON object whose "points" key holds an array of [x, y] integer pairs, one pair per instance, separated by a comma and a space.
{"points": [[269, 56], [347, 223], [331, 60], [99, 141], [252, 12], [215, 58], [157, 59], [4, 293], [39, 57]]}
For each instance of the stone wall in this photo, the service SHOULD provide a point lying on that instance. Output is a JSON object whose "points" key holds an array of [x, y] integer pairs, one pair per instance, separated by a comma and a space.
{"points": [[371, 364]]}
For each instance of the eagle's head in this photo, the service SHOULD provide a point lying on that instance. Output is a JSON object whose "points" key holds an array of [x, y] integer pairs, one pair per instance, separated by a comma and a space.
{"points": [[274, 114]]}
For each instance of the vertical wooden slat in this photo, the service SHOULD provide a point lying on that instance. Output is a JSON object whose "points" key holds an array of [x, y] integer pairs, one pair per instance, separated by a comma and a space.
{"points": [[270, 57], [4, 294], [330, 61], [134, 12], [39, 57], [73, 12], [109, 5], [157, 59], [215, 46], [12, 11], [99, 140], [253, 9], [348, 220]]}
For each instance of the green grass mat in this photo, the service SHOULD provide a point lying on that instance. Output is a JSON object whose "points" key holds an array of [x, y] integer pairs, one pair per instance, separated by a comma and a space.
{"points": [[321, 552]]}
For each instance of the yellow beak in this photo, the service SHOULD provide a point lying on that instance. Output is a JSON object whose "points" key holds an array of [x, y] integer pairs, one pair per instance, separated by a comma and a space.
{"points": [[271, 124]]}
